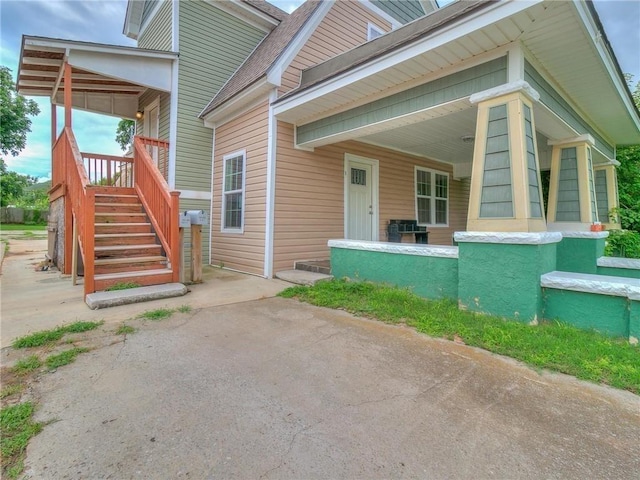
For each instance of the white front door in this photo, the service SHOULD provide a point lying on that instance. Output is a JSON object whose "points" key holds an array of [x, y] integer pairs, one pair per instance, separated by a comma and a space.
{"points": [[361, 196]]}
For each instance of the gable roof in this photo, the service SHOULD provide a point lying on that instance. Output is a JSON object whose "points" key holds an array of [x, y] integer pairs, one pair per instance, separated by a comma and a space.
{"points": [[268, 8], [265, 54]]}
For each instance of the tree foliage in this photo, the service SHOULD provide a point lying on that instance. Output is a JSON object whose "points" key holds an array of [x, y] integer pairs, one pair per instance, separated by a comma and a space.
{"points": [[15, 111], [13, 185], [124, 133]]}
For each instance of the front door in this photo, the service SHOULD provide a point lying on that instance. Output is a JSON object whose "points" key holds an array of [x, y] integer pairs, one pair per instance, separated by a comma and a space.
{"points": [[361, 192]]}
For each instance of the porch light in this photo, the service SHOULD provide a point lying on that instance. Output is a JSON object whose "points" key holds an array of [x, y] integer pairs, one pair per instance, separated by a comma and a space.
{"points": [[139, 114]]}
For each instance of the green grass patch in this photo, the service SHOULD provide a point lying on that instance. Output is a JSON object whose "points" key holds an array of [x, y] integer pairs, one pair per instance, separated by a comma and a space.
{"points": [[64, 358], [12, 227], [587, 355], [184, 308], [47, 337], [17, 425], [159, 314], [122, 286], [125, 330], [27, 365]]}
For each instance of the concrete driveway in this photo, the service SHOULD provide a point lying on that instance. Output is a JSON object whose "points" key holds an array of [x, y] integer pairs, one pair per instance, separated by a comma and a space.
{"points": [[279, 389]]}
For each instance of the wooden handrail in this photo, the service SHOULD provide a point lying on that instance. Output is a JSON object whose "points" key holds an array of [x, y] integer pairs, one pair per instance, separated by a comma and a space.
{"points": [[109, 170], [160, 203]]}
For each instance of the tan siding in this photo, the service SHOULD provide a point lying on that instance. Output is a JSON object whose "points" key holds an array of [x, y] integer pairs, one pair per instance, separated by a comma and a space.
{"points": [[309, 207], [244, 252], [157, 35], [343, 28]]}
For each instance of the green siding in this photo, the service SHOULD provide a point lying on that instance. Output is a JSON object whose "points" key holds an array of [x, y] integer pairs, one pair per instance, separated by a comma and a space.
{"points": [[157, 35], [592, 188], [445, 89], [568, 204], [532, 167], [497, 196], [212, 46], [165, 104], [552, 99], [602, 195], [148, 7], [402, 10]]}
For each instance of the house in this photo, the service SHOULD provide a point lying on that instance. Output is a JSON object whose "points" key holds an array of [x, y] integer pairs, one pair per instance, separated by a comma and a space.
{"points": [[295, 131]]}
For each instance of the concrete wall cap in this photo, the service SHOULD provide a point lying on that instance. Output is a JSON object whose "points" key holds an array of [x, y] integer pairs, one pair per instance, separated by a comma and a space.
{"points": [[442, 251], [634, 294], [616, 262], [517, 238], [507, 88], [592, 235], [588, 283]]}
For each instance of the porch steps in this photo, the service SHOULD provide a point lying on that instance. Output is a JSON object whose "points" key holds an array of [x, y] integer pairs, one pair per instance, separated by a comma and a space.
{"points": [[316, 266], [126, 247], [307, 272]]}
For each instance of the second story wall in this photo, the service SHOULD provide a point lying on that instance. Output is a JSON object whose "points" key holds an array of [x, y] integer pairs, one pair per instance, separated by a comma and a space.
{"points": [[156, 34], [344, 27], [212, 44]]}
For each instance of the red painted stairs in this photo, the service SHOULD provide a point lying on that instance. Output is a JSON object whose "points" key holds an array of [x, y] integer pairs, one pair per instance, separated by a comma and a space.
{"points": [[126, 247]]}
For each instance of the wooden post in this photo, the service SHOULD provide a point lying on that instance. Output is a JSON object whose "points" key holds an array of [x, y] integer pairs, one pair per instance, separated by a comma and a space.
{"points": [[68, 98], [54, 124], [196, 253], [181, 240], [74, 254]]}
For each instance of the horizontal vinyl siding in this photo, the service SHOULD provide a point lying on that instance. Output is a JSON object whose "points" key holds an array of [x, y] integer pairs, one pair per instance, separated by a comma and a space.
{"points": [[165, 106], [402, 10], [212, 46], [309, 208], [157, 35], [243, 252], [343, 28]]}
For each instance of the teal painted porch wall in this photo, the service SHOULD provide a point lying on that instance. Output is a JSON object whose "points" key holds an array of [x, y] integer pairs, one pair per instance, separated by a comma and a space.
{"points": [[580, 255], [451, 87], [618, 272], [429, 277], [605, 313], [634, 320]]}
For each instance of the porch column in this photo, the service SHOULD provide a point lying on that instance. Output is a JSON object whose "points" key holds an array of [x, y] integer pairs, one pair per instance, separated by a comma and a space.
{"points": [[506, 194], [68, 98], [572, 196], [606, 185], [54, 124]]}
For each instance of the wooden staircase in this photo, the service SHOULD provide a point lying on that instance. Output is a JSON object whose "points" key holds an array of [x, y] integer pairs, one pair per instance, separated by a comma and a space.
{"points": [[126, 248]]}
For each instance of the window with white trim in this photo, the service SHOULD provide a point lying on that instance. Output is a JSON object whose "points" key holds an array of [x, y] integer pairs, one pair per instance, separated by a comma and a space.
{"points": [[233, 178], [373, 31], [432, 197]]}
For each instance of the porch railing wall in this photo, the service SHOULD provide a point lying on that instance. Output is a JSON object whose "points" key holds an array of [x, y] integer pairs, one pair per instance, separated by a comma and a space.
{"points": [[108, 170]]}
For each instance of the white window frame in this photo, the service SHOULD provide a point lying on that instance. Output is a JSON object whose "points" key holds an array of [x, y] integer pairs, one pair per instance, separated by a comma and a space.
{"points": [[371, 28], [433, 197], [236, 230]]}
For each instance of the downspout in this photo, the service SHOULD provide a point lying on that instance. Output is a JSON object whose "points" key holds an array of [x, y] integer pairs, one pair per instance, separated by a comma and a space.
{"points": [[271, 187]]}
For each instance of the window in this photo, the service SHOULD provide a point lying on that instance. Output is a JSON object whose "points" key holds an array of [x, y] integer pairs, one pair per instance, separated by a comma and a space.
{"points": [[233, 192], [374, 32], [432, 197]]}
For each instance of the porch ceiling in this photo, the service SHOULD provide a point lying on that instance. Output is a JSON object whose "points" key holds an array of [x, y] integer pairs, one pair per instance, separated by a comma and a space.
{"points": [[106, 79], [547, 31]]}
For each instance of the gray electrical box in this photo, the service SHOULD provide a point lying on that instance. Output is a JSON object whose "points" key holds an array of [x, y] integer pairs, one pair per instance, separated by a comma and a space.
{"points": [[194, 217]]}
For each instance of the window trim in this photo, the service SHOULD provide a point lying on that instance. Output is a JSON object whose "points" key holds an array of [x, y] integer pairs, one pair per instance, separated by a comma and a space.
{"points": [[223, 229], [433, 197], [371, 27]]}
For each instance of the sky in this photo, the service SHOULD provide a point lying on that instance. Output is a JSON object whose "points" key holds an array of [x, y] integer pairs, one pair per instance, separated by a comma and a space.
{"points": [[102, 20]]}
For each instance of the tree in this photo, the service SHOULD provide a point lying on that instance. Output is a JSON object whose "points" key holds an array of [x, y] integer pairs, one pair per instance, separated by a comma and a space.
{"points": [[629, 178], [12, 185], [15, 111], [124, 133]]}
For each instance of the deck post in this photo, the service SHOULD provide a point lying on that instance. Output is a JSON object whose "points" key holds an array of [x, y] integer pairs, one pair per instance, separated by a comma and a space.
{"points": [[74, 255], [68, 98]]}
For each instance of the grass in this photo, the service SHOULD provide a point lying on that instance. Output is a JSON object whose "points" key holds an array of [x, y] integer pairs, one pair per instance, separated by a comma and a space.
{"points": [[158, 314], [122, 286], [184, 308], [12, 389], [125, 330], [46, 337], [64, 358], [17, 425], [27, 365], [11, 227], [587, 355]]}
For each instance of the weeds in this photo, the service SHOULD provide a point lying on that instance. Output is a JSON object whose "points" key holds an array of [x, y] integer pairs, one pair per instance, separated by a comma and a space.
{"points": [[27, 365], [46, 337], [159, 314], [184, 308], [122, 286], [64, 358], [125, 330], [12, 389], [17, 427]]}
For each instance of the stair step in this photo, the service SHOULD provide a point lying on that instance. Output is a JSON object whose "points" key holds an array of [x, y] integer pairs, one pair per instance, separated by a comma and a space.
{"points": [[106, 239], [110, 199], [315, 266], [128, 227], [116, 261], [128, 264], [119, 208], [127, 250], [113, 191], [143, 278], [120, 217]]}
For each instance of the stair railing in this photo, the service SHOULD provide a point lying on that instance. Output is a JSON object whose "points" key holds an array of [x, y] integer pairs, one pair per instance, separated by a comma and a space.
{"points": [[82, 200], [108, 170], [160, 203]]}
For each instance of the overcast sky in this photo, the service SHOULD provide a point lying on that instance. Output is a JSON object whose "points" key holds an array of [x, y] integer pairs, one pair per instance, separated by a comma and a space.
{"points": [[101, 21]]}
